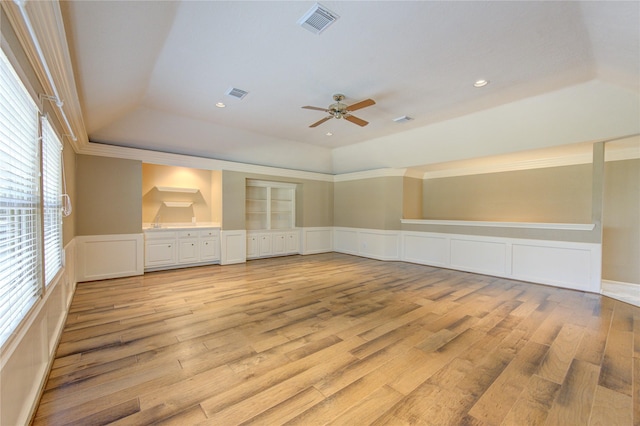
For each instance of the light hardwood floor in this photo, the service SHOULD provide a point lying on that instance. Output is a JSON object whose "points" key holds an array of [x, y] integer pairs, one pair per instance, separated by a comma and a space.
{"points": [[339, 339]]}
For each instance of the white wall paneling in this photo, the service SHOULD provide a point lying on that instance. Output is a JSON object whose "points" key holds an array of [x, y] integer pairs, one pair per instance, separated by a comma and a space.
{"points": [[345, 240], [480, 255], [109, 256], [373, 243], [316, 240], [557, 263], [233, 247], [26, 360], [570, 265], [427, 249]]}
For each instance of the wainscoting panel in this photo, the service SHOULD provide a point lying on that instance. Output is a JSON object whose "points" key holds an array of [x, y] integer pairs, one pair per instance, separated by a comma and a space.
{"points": [[345, 240], [563, 265], [233, 247], [316, 240], [372, 243], [557, 263], [479, 255], [425, 248], [109, 256], [26, 360], [381, 245]]}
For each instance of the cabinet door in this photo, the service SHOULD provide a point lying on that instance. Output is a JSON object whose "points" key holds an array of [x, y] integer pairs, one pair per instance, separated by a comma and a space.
{"points": [[209, 249], [159, 253], [279, 243], [252, 246], [264, 245], [188, 250], [293, 245]]}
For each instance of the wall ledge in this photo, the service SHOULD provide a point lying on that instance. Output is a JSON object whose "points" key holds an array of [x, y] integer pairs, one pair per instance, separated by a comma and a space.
{"points": [[524, 225]]}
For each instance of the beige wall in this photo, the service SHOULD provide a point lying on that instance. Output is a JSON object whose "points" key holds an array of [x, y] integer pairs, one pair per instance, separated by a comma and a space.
{"points": [[108, 196], [374, 203], [553, 195], [69, 222], [412, 198], [216, 196], [153, 207], [621, 220], [314, 200]]}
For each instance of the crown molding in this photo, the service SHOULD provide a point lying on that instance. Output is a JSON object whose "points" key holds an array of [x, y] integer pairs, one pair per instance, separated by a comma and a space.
{"points": [[168, 159], [369, 174]]}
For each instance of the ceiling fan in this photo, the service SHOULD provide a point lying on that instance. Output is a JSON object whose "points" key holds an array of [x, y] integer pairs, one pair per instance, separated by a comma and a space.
{"points": [[340, 110]]}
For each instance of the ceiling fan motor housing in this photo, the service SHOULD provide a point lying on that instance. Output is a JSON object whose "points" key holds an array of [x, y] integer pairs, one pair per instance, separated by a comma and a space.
{"points": [[338, 110]]}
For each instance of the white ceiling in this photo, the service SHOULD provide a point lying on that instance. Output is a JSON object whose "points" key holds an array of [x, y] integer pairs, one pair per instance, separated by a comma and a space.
{"points": [[149, 74]]}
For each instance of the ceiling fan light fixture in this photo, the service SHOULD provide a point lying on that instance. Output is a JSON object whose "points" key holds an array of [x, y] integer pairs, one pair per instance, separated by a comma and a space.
{"points": [[317, 19]]}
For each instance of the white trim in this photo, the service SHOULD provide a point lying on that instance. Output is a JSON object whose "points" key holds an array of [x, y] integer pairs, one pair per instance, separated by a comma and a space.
{"points": [[481, 223], [626, 292], [513, 166], [369, 174], [179, 160]]}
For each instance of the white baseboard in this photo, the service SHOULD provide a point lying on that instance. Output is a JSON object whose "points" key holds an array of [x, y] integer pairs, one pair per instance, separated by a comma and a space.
{"points": [[109, 256], [626, 292]]}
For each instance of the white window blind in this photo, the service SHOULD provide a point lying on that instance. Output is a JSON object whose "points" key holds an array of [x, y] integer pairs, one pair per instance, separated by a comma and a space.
{"points": [[51, 200], [20, 283]]}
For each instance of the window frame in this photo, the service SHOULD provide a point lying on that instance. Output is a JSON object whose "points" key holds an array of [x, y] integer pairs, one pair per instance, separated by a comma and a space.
{"points": [[25, 284]]}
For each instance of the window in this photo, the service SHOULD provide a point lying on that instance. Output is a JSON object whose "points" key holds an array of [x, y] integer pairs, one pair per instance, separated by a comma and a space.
{"points": [[20, 283], [30, 207], [51, 201]]}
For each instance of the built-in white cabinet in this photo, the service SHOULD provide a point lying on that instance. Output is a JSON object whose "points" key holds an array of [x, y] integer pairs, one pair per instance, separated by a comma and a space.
{"points": [[270, 205], [171, 248], [272, 243], [209, 245], [160, 249], [270, 219]]}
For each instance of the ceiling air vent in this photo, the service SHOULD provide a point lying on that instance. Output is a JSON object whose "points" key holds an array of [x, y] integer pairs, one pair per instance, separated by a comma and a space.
{"points": [[317, 19], [236, 93], [402, 119]]}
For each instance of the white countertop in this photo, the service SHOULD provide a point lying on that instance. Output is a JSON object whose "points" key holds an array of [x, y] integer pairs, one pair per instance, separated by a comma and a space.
{"points": [[178, 226]]}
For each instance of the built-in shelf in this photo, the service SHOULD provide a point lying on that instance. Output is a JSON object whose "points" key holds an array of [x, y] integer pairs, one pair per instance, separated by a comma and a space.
{"points": [[527, 225], [178, 203], [175, 189]]}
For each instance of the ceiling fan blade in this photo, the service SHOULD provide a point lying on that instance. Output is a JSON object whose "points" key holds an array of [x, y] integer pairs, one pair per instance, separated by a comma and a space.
{"points": [[317, 123], [361, 104], [356, 120], [316, 108]]}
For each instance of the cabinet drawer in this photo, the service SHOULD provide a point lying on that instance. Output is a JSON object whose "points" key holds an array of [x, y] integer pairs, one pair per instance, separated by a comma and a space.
{"points": [[159, 235], [208, 233], [192, 233]]}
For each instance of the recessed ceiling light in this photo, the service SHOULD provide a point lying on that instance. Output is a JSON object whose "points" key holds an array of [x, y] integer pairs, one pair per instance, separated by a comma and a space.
{"points": [[480, 83], [329, 134], [220, 105]]}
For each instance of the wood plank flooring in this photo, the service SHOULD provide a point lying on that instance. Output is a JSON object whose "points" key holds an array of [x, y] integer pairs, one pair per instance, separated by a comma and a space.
{"points": [[337, 339]]}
